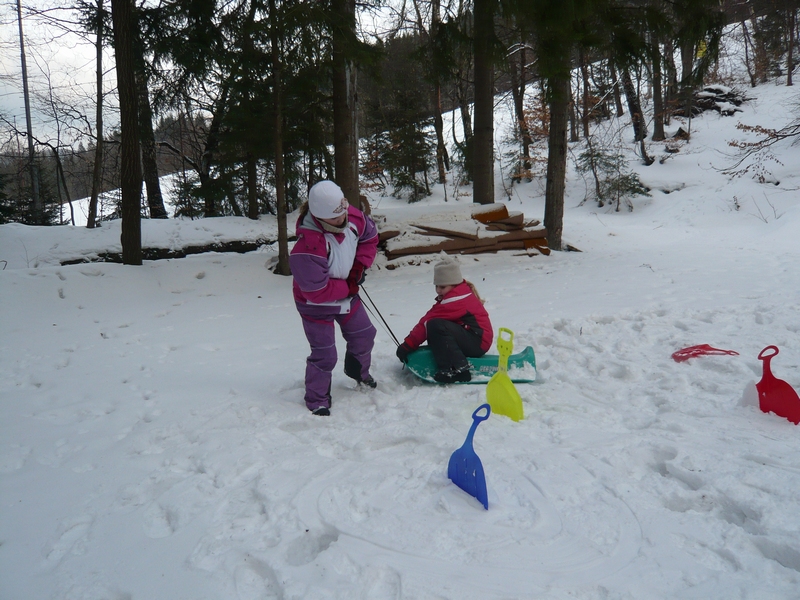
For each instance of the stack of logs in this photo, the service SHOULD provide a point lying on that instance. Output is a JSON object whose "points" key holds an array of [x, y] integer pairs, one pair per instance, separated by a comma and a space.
{"points": [[490, 228]]}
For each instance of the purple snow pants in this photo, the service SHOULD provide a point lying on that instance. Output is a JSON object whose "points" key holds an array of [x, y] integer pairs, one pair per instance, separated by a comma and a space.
{"points": [[358, 332]]}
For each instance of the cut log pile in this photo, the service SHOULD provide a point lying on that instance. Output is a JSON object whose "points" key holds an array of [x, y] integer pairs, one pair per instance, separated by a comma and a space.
{"points": [[489, 228]]}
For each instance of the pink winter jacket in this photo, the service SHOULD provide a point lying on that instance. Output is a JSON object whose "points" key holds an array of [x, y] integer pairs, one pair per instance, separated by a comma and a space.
{"points": [[316, 291]]}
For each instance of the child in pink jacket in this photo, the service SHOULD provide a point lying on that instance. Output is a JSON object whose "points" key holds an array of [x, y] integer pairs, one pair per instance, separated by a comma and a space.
{"points": [[457, 326], [335, 245]]}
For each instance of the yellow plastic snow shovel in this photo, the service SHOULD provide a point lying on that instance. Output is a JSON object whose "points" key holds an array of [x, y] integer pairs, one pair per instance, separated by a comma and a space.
{"points": [[500, 391]]}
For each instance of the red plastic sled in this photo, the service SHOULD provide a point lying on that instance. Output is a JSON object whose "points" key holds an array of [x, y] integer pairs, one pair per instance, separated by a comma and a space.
{"points": [[775, 395]]}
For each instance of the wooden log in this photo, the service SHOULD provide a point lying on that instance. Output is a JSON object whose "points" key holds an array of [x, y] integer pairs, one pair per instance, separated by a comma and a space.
{"points": [[449, 245], [514, 218], [498, 226], [538, 244], [443, 231], [490, 212], [387, 234], [522, 234]]}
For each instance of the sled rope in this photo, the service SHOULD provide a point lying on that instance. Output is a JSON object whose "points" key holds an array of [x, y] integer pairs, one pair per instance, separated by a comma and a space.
{"points": [[385, 324]]}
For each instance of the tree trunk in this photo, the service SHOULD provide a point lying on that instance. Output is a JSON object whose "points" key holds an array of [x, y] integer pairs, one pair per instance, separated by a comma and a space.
{"points": [[658, 97], [209, 153], [345, 135], [517, 73], [442, 158], [585, 102], [282, 268], [760, 59], [790, 58], [634, 106], [687, 77], [122, 14], [463, 106], [155, 200], [97, 171], [556, 161], [617, 95], [252, 187], [573, 122], [37, 205], [483, 149], [670, 98]]}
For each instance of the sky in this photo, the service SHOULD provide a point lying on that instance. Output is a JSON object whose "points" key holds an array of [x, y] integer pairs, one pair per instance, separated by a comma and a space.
{"points": [[67, 60], [63, 61], [154, 443]]}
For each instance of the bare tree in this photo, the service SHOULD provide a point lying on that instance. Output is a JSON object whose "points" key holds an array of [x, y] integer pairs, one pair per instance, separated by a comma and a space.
{"points": [[38, 207], [123, 17], [282, 268], [345, 132], [97, 171], [483, 149]]}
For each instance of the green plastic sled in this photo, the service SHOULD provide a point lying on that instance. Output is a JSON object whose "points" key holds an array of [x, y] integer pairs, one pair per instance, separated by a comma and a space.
{"points": [[521, 366]]}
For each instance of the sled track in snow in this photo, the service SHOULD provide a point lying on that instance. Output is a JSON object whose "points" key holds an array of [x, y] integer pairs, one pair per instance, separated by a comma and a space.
{"points": [[524, 534]]}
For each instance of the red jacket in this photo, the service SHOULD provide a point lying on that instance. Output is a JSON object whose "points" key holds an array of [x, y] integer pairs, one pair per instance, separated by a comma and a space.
{"points": [[460, 305]]}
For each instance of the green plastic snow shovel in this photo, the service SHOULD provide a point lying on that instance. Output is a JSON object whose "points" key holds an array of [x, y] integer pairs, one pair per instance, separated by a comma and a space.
{"points": [[500, 391]]}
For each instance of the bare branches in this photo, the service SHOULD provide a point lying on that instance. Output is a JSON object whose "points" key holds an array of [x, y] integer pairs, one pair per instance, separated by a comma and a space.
{"points": [[753, 155]]}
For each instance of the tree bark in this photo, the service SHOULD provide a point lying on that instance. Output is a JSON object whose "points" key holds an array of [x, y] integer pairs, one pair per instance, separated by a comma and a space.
{"points": [[790, 58], [670, 98], [122, 14], [617, 95], [634, 106], [97, 171], [345, 134], [37, 205], [483, 149], [556, 161], [658, 95], [252, 187], [282, 268], [687, 77], [518, 73], [585, 79], [155, 200]]}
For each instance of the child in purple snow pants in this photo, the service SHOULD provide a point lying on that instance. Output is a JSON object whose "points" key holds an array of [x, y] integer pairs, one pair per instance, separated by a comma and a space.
{"points": [[358, 332], [336, 244]]}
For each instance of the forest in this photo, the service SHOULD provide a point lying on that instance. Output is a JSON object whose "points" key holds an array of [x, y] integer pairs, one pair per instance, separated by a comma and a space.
{"points": [[251, 102]]}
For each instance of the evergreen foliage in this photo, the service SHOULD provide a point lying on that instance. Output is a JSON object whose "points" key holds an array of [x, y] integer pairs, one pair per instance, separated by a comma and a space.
{"points": [[614, 182], [397, 111]]}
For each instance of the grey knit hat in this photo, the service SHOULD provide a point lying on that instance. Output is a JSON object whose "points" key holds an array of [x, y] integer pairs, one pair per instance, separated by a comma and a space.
{"points": [[447, 272]]}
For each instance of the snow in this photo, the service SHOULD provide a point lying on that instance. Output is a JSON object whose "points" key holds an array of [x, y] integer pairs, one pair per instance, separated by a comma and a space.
{"points": [[154, 443]]}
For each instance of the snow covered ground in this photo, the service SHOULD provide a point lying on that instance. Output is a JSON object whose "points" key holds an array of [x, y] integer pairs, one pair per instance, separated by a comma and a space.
{"points": [[154, 443]]}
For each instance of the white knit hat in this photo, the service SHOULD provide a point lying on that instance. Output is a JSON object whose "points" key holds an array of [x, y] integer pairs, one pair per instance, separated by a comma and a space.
{"points": [[447, 272], [326, 200]]}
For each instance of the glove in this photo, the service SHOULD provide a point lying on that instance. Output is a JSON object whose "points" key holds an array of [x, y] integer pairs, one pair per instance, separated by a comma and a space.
{"points": [[358, 273], [355, 278], [403, 351], [352, 287]]}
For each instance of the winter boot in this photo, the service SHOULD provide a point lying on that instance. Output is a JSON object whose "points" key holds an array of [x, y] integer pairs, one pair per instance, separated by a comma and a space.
{"points": [[352, 368]]}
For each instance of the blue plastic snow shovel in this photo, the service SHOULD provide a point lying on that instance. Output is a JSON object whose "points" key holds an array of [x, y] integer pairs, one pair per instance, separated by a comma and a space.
{"points": [[465, 468]]}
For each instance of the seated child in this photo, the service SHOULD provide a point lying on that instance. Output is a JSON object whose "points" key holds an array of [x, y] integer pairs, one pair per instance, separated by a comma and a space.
{"points": [[457, 326]]}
